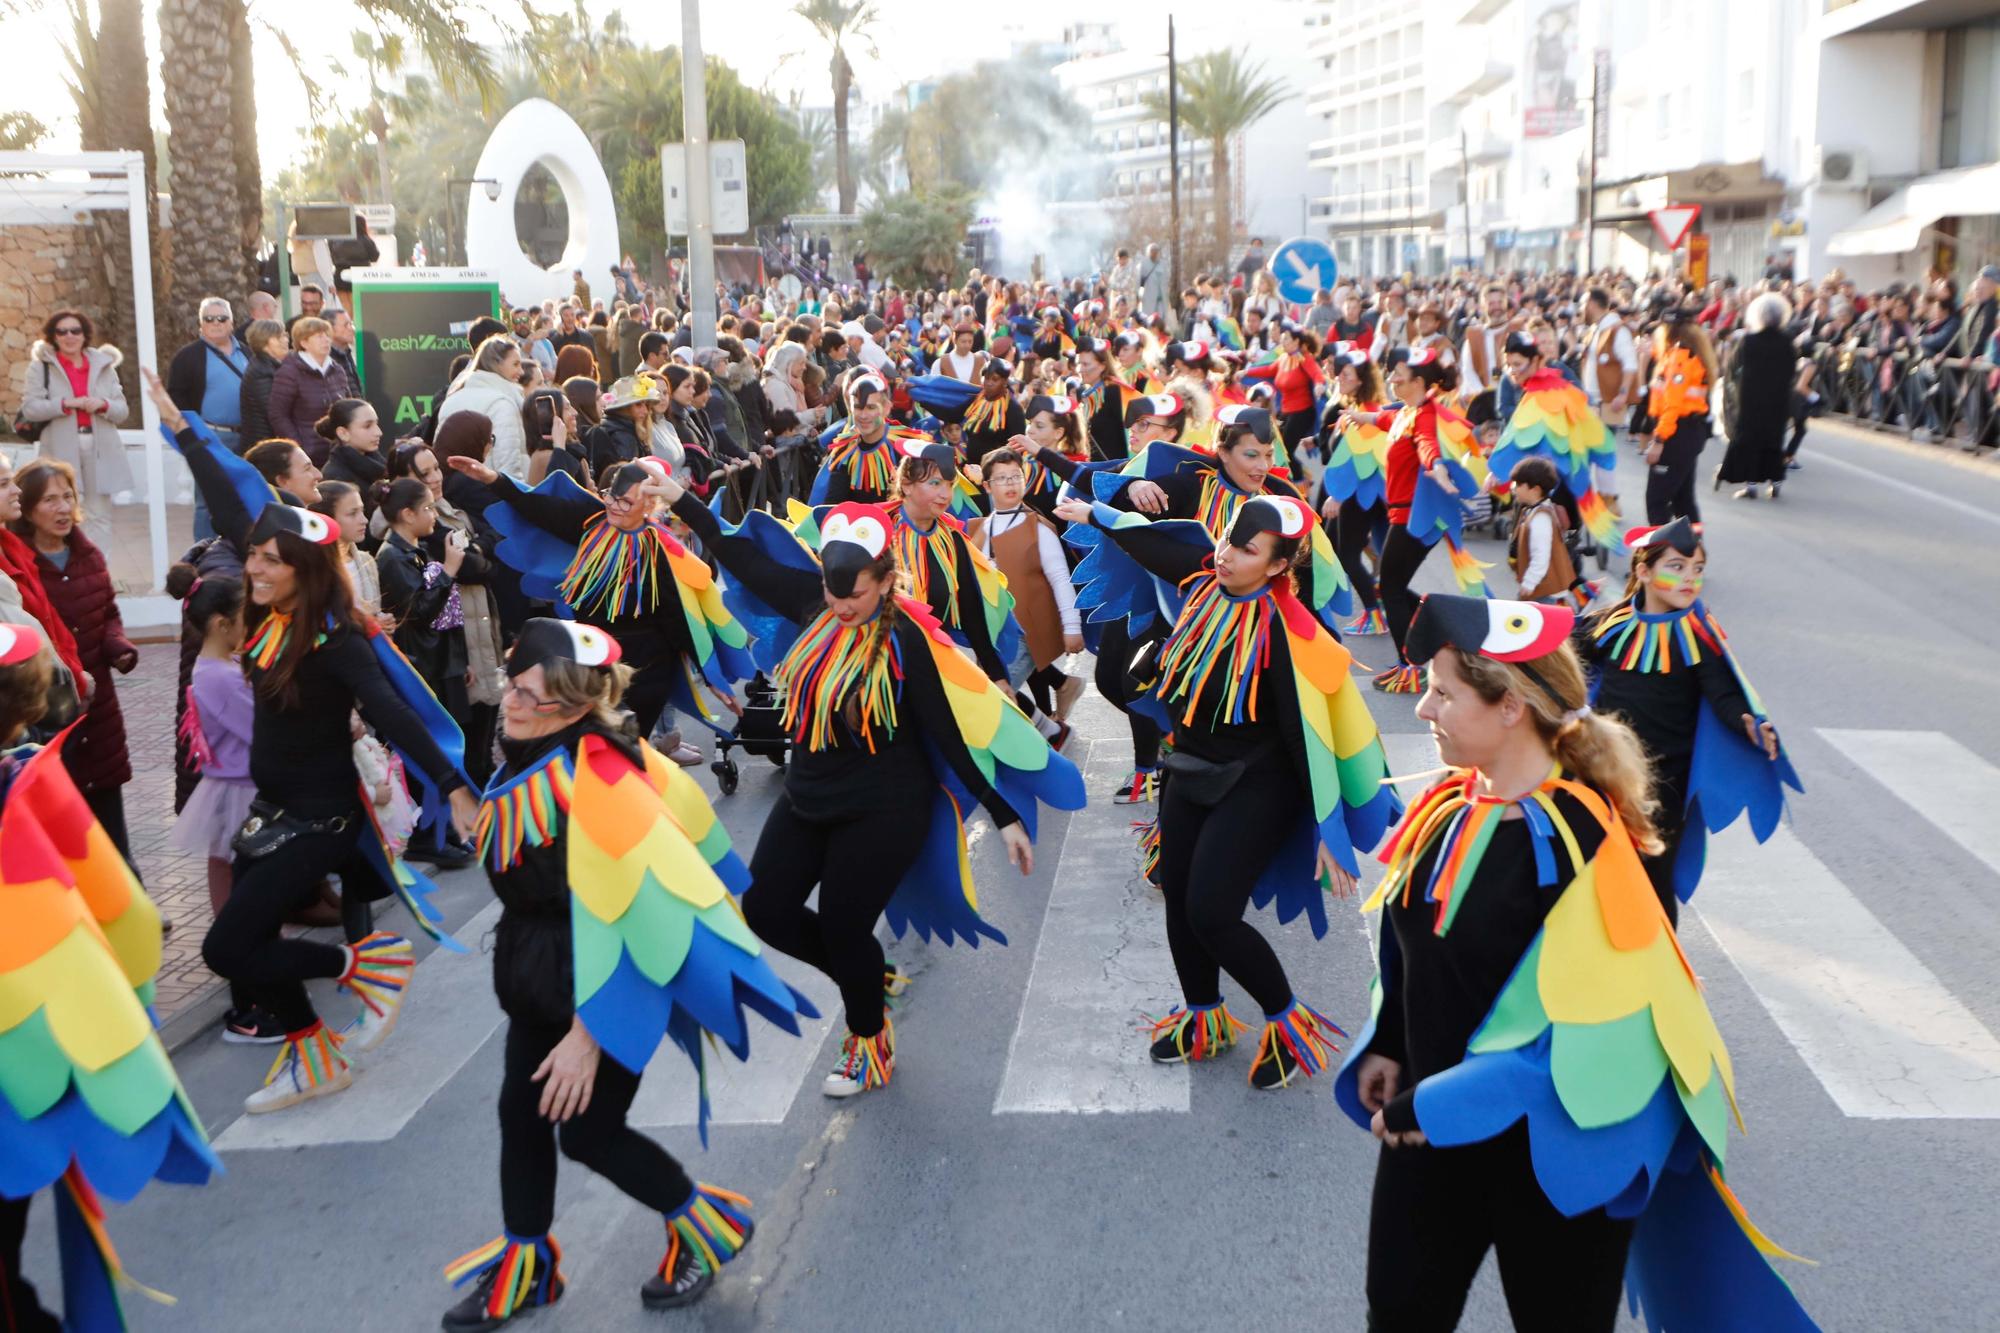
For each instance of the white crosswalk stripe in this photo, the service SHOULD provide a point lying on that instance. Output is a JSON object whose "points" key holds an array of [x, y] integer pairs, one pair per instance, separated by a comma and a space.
{"points": [[1949, 785], [759, 1091]]}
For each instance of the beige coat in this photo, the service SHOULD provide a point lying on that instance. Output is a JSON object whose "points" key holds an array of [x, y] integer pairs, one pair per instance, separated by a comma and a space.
{"points": [[484, 656], [102, 468]]}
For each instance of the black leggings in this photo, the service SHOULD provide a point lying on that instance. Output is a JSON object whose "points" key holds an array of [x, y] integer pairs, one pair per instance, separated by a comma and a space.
{"points": [[597, 1137], [1670, 779], [1670, 483], [20, 1307], [1298, 429], [247, 942], [1436, 1212], [1351, 532], [857, 864], [1402, 556], [1114, 660], [1043, 683], [647, 695], [1207, 870]]}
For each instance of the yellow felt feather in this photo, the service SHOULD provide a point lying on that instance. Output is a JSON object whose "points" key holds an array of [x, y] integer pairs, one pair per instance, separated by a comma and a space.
{"points": [[619, 836], [83, 992]]}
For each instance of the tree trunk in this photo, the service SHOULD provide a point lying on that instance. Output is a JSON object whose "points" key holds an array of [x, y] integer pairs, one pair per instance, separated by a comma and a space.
{"points": [[1218, 188], [843, 169], [249, 175], [198, 50]]}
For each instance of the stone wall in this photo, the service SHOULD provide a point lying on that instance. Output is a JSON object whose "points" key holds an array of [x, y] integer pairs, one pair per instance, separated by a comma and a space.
{"points": [[42, 269]]}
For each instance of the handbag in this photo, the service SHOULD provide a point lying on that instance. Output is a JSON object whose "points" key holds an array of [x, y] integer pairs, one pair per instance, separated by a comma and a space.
{"points": [[30, 432], [268, 828], [1206, 781]]}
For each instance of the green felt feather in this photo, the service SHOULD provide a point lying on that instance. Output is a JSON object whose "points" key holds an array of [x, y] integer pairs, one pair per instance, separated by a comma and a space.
{"points": [[1017, 744], [1518, 1017], [1605, 1073], [725, 922], [34, 1068], [1709, 1111], [657, 929], [595, 949], [127, 1093]]}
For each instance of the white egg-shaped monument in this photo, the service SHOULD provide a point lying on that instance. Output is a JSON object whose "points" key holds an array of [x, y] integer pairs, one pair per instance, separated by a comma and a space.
{"points": [[538, 132]]}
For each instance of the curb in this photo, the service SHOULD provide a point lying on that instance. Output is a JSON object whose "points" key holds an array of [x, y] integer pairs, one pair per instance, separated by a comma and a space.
{"points": [[196, 1017]]}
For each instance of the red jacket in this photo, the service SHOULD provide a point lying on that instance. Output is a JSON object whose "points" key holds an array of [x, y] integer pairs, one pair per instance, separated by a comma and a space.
{"points": [[82, 594], [17, 561], [1413, 448], [1295, 383]]}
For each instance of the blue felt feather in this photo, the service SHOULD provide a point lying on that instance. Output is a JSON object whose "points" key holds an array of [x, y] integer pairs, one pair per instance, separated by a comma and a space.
{"points": [[168, 1147], [771, 633], [1431, 505], [942, 394], [540, 558], [247, 482]]}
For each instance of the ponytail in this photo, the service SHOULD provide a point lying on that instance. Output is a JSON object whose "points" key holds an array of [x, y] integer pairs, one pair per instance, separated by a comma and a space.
{"points": [[338, 418]]}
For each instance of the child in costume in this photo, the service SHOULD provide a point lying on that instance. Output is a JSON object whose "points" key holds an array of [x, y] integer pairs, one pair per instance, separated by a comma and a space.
{"points": [[1540, 558], [1540, 1067], [598, 849], [1027, 550], [90, 1106], [861, 455], [1660, 661], [894, 735], [962, 587], [1676, 421], [217, 725], [1276, 775]]}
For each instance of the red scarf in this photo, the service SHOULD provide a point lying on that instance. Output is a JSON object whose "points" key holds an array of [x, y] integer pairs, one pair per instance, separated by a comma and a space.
{"points": [[17, 561]]}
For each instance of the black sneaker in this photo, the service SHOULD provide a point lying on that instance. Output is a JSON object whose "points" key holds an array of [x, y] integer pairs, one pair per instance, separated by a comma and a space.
{"points": [[1275, 1068], [454, 855], [689, 1282], [251, 1027], [470, 1315]]}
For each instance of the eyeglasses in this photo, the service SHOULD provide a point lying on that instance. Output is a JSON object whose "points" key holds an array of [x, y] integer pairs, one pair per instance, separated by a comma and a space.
{"points": [[215, 319], [71, 332], [531, 699]]}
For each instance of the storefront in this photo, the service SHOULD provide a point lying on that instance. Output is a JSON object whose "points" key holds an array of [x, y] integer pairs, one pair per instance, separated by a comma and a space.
{"points": [[1738, 202]]}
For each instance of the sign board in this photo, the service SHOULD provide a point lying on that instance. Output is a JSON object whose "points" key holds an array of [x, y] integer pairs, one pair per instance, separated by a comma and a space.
{"points": [[1304, 267], [1698, 260], [1674, 222], [728, 191], [1552, 102], [408, 325]]}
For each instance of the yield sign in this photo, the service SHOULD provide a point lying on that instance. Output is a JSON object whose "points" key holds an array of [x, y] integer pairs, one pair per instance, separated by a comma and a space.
{"points": [[1674, 222]]}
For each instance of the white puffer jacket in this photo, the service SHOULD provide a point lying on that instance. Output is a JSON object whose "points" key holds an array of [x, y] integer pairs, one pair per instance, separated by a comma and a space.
{"points": [[500, 400]]}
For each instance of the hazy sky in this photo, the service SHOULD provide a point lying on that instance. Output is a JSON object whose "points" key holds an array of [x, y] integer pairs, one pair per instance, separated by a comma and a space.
{"points": [[761, 38]]}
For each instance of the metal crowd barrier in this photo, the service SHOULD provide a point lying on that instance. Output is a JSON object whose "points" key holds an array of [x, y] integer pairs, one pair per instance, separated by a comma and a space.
{"points": [[1948, 399]]}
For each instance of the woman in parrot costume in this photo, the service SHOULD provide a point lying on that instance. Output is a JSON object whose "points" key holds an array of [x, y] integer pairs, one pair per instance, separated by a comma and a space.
{"points": [[618, 927], [1554, 421], [609, 560], [894, 734], [90, 1106], [1276, 779], [1659, 660], [861, 457], [1540, 1067], [1351, 485], [1430, 462]]}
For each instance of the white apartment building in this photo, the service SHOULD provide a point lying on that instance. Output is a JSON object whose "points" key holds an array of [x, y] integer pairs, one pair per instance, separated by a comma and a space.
{"points": [[1903, 107], [1368, 137]]}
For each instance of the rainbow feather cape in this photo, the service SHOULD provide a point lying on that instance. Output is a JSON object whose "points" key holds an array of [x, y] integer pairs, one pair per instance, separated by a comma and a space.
{"points": [[1355, 466], [88, 1096], [660, 948], [1600, 1041], [1730, 776], [1351, 808], [410, 686], [1323, 579], [1554, 421], [870, 467], [1435, 514]]}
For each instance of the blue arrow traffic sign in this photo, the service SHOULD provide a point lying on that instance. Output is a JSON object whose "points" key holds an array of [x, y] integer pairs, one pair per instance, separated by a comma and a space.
{"points": [[1303, 267]]}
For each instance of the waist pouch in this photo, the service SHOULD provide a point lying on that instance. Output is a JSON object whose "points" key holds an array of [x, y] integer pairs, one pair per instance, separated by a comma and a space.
{"points": [[268, 828], [1207, 781]]}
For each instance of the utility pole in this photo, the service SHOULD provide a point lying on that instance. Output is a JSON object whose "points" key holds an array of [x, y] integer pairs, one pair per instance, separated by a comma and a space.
{"points": [[1465, 195], [701, 223], [1174, 172], [1409, 211], [1590, 174]]}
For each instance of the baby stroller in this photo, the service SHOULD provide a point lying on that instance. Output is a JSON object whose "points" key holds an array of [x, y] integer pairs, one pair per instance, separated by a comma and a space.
{"points": [[760, 732]]}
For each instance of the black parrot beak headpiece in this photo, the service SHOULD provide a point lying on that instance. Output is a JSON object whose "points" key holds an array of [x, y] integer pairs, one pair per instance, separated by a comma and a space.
{"points": [[851, 538], [1681, 534], [930, 450], [544, 640], [276, 518], [1269, 513], [1258, 420], [1504, 631]]}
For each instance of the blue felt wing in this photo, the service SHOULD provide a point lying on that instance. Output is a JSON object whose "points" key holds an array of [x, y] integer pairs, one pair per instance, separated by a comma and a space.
{"points": [[248, 484], [944, 395], [1433, 513], [540, 558], [417, 696], [1729, 777], [169, 1147], [1111, 585], [1388, 977], [771, 634]]}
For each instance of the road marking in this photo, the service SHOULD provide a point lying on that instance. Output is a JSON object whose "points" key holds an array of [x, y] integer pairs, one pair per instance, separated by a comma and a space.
{"points": [[759, 1091], [1876, 1027], [449, 1015], [1101, 966], [1876, 478], [1949, 785]]}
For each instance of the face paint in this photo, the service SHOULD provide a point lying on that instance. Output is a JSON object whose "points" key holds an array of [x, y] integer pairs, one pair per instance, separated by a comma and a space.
{"points": [[1665, 580]]}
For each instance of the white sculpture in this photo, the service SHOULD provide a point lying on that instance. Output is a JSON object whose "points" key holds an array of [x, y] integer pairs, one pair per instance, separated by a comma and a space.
{"points": [[539, 132]]}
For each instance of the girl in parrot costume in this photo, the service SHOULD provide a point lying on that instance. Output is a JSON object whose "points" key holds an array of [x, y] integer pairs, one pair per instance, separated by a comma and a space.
{"points": [[1659, 660], [618, 927], [895, 734], [1351, 485], [90, 1106], [1276, 779], [1540, 1067], [1554, 421]]}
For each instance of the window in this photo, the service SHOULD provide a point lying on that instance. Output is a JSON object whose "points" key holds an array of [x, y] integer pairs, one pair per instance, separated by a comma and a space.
{"points": [[1969, 123]]}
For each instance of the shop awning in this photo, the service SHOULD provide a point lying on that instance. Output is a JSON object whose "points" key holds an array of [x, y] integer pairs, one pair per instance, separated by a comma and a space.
{"points": [[1897, 224]]}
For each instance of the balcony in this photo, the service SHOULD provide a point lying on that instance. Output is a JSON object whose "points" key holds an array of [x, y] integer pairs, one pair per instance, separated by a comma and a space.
{"points": [[1474, 79], [1474, 12], [1480, 148]]}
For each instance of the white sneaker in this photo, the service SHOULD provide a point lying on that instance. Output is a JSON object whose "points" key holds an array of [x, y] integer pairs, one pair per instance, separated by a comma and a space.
{"points": [[368, 1031], [848, 1077], [310, 1066], [865, 1063], [378, 972]]}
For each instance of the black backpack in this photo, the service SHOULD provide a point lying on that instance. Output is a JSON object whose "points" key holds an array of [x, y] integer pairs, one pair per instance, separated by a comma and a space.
{"points": [[31, 431]]}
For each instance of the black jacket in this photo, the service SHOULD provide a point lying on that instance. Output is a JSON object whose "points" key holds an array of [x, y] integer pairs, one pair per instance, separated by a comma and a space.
{"points": [[254, 401], [436, 654], [613, 440], [348, 464]]}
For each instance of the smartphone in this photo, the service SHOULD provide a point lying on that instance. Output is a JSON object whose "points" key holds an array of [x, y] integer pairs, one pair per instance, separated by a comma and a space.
{"points": [[545, 412]]}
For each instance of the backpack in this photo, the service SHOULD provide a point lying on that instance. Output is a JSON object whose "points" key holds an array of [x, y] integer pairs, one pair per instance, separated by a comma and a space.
{"points": [[31, 431]]}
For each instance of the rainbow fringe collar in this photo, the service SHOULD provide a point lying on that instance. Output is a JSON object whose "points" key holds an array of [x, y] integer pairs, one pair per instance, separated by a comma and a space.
{"points": [[1654, 644], [618, 573], [525, 809], [832, 663], [1460, 824], [1218, 632]]}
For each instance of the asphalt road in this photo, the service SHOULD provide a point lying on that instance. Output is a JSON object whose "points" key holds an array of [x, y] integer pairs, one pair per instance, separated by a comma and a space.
{"points": [[1026, 1171]]}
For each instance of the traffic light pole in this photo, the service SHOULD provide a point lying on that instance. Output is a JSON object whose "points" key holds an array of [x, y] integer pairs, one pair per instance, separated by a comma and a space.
{"points": [[701, 222]]}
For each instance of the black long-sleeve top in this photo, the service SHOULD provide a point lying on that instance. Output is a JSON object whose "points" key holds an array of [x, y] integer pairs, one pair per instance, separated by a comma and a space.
{"points": [[848, 780], [1105, 430], [979, 443], [302, 754], [1446, 985], [967, 612], [1663, 706], [646, 636], [840, 489], [434, 652]]}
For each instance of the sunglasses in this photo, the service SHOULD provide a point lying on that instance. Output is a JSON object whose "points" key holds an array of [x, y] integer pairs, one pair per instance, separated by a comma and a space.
{"points": [[215, 319], [71, 332]]}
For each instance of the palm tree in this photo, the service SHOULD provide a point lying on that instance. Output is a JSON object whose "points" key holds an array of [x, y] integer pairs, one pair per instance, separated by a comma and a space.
{"points": [[381, 54], [838, 22], [1222, 94]]}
